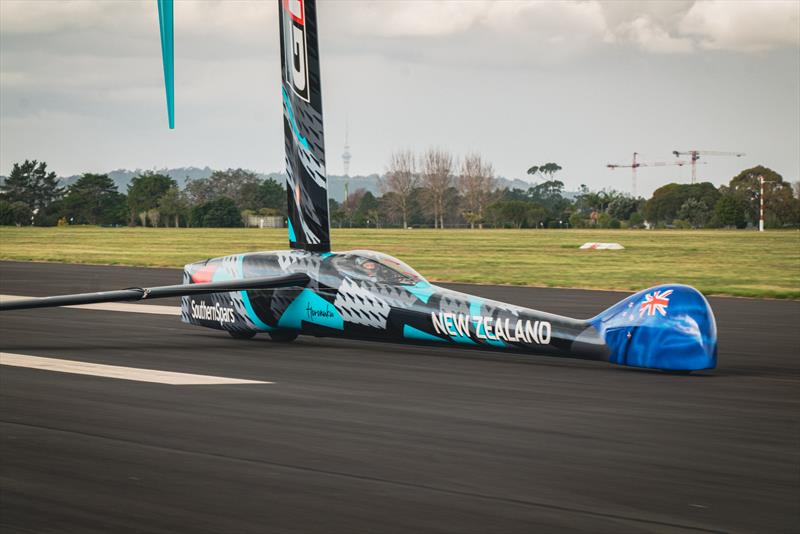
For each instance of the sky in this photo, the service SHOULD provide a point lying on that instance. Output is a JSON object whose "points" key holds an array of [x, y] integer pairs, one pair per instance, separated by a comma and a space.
{"points": [[582, 84]]}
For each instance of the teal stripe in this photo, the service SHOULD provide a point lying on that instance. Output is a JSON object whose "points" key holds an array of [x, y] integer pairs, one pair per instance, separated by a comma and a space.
{"points": [[248, 306], [421, 290], [414, 333], [475, 309], [251, 312], [463, 340], [295, 129], [165, 22], [302, 309]]}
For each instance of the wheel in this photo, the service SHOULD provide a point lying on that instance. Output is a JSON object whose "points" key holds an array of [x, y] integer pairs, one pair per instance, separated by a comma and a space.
{"points": [[283, 336], [241, 334]]}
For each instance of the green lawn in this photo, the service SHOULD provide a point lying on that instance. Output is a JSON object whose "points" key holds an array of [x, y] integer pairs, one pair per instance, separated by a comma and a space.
{"points": [[742, 263]]}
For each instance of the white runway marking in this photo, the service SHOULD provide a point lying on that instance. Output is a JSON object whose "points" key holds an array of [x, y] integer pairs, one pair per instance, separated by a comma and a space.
{"points": [[113, 306], [114, 371]]}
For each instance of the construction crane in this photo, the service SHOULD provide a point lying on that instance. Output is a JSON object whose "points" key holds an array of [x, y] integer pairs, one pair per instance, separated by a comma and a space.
{"points": [[695, 155], [636, 164]]}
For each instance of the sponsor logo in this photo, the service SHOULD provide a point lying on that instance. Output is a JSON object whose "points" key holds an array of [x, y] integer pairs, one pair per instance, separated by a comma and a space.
{"points": [[459, 324], [294, 44], [318, 314], [217, 312], [655, 302]]}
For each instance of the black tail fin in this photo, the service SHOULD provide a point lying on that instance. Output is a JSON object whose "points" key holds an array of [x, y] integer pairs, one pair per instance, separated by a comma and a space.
{"points": [[307, 184]]}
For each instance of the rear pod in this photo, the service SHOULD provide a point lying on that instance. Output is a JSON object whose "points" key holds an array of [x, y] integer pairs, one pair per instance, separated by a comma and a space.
{"points": [[668, 327]]}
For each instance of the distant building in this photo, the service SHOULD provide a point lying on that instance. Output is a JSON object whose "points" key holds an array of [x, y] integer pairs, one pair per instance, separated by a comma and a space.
{"points": [[263, 221]]}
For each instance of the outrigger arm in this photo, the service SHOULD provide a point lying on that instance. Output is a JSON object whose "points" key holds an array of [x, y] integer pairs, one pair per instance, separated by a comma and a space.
{"points": [[142, 293]]}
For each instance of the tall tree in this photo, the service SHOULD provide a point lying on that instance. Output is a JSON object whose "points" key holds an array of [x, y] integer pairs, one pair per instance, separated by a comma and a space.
{"points": [[172, 205], [219, 213], [545, 170], [667, 200], [695, 212], [548, 194], [240, 185], [336, 212], [452, 212], [517, 213], [144, 192], [94, 199], [271, 194], [778, 197], [154, 216], [437, 178], [592, 201], [366, 212], [536, 215], [477, 183], [350, 205], [549, 169], [623, 206], [401, 179], [730, 211], [29, 182], [17, 213]]}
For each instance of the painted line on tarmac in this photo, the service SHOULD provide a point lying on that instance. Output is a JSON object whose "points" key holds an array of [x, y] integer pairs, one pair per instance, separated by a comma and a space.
{"points": [[114, 371], [112, 306]]}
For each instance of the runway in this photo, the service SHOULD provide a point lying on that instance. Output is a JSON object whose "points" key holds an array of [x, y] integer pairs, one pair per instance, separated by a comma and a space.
{"points": [[356, 437]]}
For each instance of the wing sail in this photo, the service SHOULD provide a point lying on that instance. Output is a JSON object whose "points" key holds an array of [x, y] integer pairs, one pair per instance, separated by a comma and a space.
{"points": [[142, 293], [307, 183], [165, 25]]}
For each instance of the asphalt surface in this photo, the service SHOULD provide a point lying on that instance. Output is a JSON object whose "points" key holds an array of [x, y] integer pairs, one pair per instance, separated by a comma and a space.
{"points": [[358, 437]]}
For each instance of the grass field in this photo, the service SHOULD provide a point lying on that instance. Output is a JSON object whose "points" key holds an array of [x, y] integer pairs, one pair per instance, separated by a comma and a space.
{"points": [[719, 262]]}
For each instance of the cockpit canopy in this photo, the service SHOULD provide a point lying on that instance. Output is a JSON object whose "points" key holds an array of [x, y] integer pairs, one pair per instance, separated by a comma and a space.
{"points": [[375, 267]]}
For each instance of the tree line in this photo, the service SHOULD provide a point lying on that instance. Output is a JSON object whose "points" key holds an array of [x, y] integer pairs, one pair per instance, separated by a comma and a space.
{"points": [[32, 195], [436, 189], [430, 189]]}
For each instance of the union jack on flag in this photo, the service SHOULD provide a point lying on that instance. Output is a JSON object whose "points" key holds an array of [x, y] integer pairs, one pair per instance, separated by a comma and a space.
{"points": [[655, 302]]}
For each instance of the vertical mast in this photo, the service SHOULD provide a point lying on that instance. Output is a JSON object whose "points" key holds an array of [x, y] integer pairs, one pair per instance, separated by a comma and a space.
{"points": [[306, 183]]}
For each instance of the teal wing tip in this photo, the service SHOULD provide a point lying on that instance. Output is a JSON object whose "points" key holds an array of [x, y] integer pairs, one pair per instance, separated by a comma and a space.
{"points": [[168, 56]]}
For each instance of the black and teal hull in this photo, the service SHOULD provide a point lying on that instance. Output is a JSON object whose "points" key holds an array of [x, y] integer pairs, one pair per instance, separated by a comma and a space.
{"points": [[668, 327]]}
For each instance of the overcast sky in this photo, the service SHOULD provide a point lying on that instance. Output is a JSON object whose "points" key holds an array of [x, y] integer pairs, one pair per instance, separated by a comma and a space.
{"points": [[582, 84]]}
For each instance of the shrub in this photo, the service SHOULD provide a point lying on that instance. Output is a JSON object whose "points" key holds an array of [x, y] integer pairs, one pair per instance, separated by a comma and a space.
{"points": [[219, 213], [636, 220]]}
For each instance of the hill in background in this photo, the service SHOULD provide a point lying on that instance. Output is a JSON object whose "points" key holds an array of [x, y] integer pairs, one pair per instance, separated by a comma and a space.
{"points": [[336, 183]]}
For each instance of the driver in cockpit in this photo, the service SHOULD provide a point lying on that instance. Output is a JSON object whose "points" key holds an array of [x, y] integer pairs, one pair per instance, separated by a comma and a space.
{"points": [[369, 268]]}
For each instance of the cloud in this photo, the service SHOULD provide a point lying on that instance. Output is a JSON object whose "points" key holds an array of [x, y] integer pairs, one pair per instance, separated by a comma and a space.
{"points": [[51, 16], [203, 29], [537, 31], [653, 37], [406, 19], [743, 26], [532, 71], [426, 18], [482, 33], [547, 32]]}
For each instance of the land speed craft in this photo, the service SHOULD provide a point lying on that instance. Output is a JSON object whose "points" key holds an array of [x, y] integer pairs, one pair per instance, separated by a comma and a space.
{"points": [[367, 295]]}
